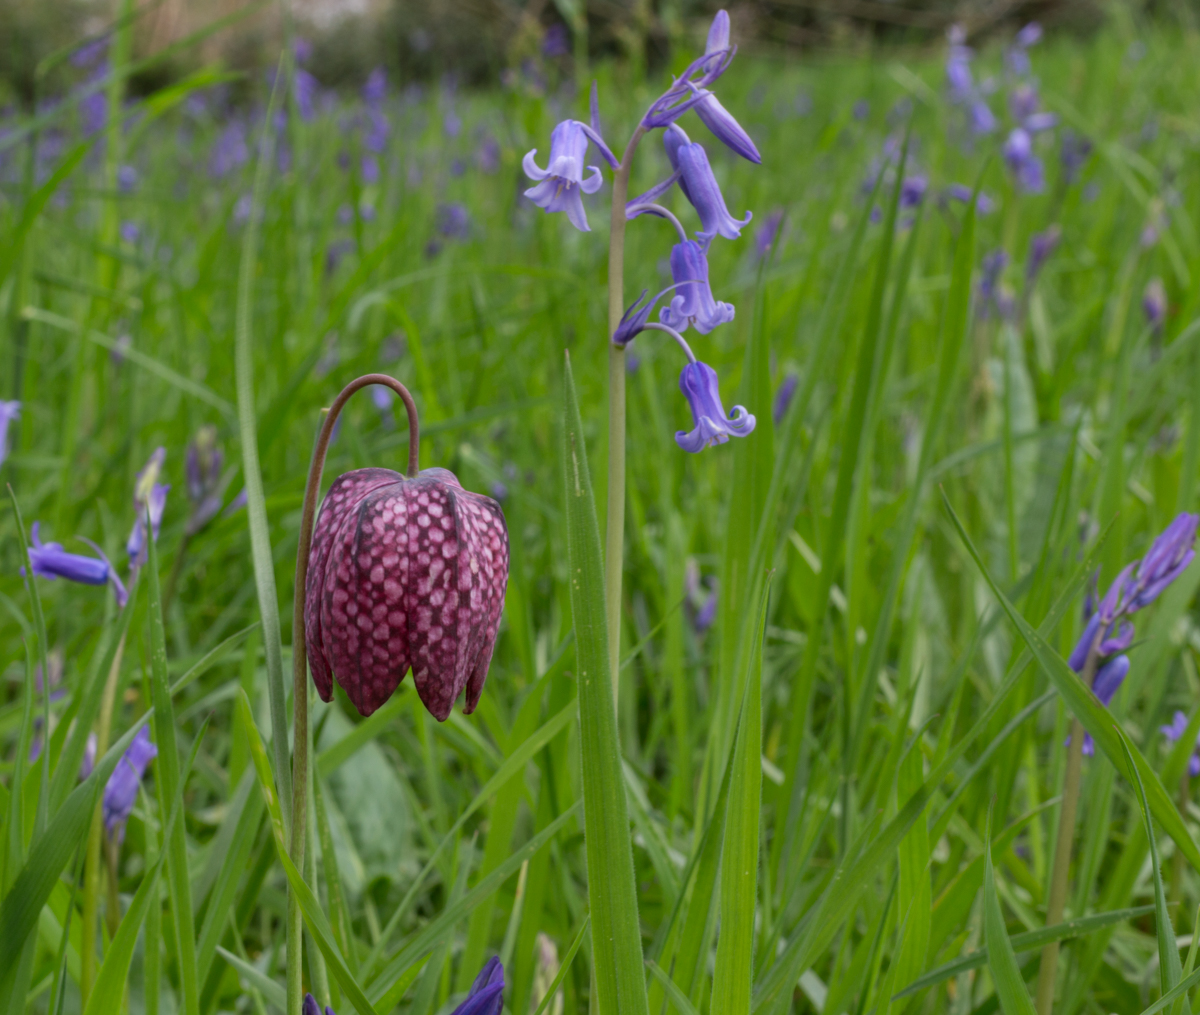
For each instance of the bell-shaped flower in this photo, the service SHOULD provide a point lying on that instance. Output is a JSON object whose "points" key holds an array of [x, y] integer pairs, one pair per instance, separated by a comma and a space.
{"points": [[561, 185], [700, 187], [1109, 679], [51, 561], [1023, 162], [311, 1007], [699, 384], [1168, 558], [693, 304], [404, 573], [1176, 729], [121, 792], [486, 996]]}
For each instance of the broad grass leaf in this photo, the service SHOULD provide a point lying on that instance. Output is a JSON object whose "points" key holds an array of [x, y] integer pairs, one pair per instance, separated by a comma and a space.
{"points": [[1002, 961]]}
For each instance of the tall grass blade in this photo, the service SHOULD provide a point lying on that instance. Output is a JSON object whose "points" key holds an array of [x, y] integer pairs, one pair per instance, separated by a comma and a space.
{"points": [[1002, 961]]}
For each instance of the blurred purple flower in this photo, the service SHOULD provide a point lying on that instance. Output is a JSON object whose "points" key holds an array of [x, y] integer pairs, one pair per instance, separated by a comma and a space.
{"points": [[783, 397], [301, 49], [1154, 303], [130, 232], [127, 178], [1017, 56], [1024, 164], [121, 792], [766, 234], [306, 88], [1041, 246], [381, 396], [1176, 729], [912, 191], [487, 155], [1073, 153], [230, 150], [453, 221], [149, 496], [375, 89], [204, 461], [711, 426], [861, 110], [369, 169], [991, 297], [556, 42], [90, 52], [961, 192], [10, 412]]}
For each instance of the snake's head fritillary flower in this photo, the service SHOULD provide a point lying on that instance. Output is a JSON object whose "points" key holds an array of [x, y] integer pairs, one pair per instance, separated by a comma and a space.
{"points": [[10, 412], [693, 304], [486, 996], [121, 792], [405, 573], [699, 384], [560, 186], [51, 561]]}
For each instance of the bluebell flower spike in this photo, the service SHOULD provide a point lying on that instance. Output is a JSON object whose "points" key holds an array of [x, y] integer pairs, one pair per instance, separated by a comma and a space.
{"points": [[693, 304], [120, 794], [687, 90], [700, 387]]}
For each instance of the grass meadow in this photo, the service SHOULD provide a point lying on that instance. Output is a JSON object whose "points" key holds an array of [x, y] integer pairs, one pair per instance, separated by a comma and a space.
{"points": [[842, 697]]}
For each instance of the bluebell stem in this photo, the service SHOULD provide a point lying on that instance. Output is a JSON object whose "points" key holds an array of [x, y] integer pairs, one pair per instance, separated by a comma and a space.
{"points": [[700, 387], [10, 412], [783, 397], [51, 561], [693, 304], [1176, 729], [121, 792], [562, 184], [148, 496], [1154, 304]]}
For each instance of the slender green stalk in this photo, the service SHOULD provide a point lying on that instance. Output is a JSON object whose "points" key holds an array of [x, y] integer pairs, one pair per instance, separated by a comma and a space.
{"points": [[1057, 896], [614, 531], [300, 767]]}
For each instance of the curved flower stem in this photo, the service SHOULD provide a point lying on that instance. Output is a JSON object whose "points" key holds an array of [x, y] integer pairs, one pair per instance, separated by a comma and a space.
{"points": [[300, 780], [650, 208], [1056, 898], [667, 330], [614, 532]]}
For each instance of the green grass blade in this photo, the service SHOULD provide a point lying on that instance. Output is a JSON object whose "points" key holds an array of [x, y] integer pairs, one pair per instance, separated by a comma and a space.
{"points": [[1096, 719], [734, 970], [1002, 961], [612, 893], [564, 967], [270, 990], [676, 996], [1170, 970]]}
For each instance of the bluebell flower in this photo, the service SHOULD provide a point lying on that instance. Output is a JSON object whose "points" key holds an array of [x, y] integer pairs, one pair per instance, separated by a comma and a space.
{"points": [[148, 496], [382, 397], [959, 78], [992, 297], [693, 304], [127, 178], [51, 561], [454, 221], [90, 52], [712, 114], [486, 996], [633, 321], [310, 1007], [912, 191], [375, 89], [766, 234], [306, 88], [691, 87], [1154, 306], [700, 187], [121, 792], [230, 150], [1041, 246], [700, 387], [1075, 151], [130, 232], [961, 192], [1176, 729], [783, 397], [562, 184], [203, 470], [1024, 164], [487, 155], [556, 42], [1017, 57], [10, 412]]}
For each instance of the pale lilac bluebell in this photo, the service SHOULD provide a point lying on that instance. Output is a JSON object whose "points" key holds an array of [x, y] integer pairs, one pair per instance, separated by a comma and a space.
{"points": [[148, 496], [1176, 729], [767, 233], [203, 470], [693, 304], [10, 412], [702, 190], [121, 792], [711, 426], [51, 561], [561, 184], [1023, 162]]}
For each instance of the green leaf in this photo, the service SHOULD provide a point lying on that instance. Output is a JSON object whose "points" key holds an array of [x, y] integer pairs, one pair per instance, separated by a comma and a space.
{"points": [[270, 990], [677, 997], [734, 970], [1170, 970], [108, 992], [564, 967], [1002, 961], [612, 893], [1096, 719], [170, 789]]}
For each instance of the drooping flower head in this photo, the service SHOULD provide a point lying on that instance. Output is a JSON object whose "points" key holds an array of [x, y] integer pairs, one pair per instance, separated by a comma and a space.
{"points": [[1024, 163], [10, 412], [561, 184], [310, 1007], [693, 304], [121, 792], [700, 386], [51, 561], [404, 573], [204, 461], [486, 996], [1176, 729], [700, 187], [149, 496]]}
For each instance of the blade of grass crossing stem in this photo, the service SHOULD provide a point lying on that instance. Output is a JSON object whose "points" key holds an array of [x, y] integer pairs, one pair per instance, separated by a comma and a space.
{"points": [[753, 462], [612, 893], [1080, 700], [314, 917], [256, 503], [734, 970], [956, 317], [914, 889], [270, 990], [50, 853], [564, 967], [108, 992], [676, 996], [1170, 971], [1002, 961], [170, 789]]}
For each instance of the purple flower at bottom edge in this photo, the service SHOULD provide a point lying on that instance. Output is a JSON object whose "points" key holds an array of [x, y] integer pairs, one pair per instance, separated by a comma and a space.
{"points": [[700, 386], [486, 996], [121, 792], [310, 1007]]}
